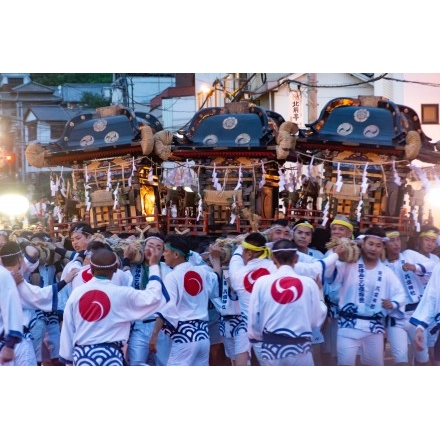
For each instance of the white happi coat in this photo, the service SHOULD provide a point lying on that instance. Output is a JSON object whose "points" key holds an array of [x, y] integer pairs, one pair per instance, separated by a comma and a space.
{"points": [[120, 277], [11, 314], [428, 310], [37, 298], [412, 282], [295, 310], [190, 288], [242, 280], [65, 292], [100, 311], [379, 283]]}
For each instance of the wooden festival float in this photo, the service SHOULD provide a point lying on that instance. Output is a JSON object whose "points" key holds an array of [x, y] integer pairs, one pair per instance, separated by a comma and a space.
{"points": [[237, 168]]}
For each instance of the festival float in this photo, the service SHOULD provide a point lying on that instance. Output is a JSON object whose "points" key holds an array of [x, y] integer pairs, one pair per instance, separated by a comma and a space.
{"points": [[237, 168]]}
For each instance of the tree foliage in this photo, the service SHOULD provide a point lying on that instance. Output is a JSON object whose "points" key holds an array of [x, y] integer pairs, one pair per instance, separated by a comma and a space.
{"points": [[93, 100], [56, 79]]}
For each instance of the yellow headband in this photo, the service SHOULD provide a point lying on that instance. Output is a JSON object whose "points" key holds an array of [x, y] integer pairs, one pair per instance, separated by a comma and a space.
{"points": [[343, 223], [307, 225], [431, 234], [393, 234], [251, 247]]}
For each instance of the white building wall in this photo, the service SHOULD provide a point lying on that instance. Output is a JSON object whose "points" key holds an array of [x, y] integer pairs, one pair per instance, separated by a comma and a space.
{"points": [[176, 112], [141, 90], [416, 94], [146, 88]]}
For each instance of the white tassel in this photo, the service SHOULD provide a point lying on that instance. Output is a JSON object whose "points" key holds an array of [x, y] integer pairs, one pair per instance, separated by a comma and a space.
{"points": [[239, 181], [339, 182], [233, 216], [150, 175], [109, 179], [397, 179], [359, 210], [282, 182], [325, 213], [263, 178], [364, 185]]}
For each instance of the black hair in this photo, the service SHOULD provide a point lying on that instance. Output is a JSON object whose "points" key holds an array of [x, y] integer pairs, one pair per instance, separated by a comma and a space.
{"points": [[281, 222], [426, 228], [13, 250], [180, 242], [94, 245], [284, 251], [256, 239], [379, 232]]}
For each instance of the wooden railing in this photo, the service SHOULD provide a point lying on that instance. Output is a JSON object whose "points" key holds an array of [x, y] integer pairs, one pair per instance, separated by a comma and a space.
{"points": [[402, 223], [191, 226]]}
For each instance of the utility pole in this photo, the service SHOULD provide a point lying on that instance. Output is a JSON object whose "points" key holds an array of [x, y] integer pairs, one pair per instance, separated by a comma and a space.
{"points": [[124, 87]]}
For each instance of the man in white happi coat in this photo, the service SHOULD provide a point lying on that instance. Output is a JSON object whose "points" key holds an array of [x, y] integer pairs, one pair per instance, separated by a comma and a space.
{"points": [[285, 309], [80, 234], [411, 267], [426, 244], [426, 316], [98, 314], [146, 344], [33, 298], [249, 262], [340, 227], [369, 292], [11, 319], [185, 318]]}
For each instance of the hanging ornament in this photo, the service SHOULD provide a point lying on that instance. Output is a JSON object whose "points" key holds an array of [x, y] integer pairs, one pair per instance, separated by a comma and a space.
{"points": [[215, 181], [150, 175], [339, 182], [263, 178], [239, 181], [200, 202], [364, 185], [325, 213], [109, 179], [233, 206], [282, 181], [53, 185], [415, 217], [422, 176], [288, 180], [87, 196], [359, 210], [133, 169], [397, 179], [115, 195], [63, 190]]}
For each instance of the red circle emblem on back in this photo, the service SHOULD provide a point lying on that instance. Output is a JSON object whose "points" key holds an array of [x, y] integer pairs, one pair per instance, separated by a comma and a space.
{"points": [[192, 282], [286, 290], [252, 276], [94, 305]]}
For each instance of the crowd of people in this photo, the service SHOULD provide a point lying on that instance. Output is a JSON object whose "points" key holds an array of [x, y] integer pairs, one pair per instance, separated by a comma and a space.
{"points": [[270, 298]]}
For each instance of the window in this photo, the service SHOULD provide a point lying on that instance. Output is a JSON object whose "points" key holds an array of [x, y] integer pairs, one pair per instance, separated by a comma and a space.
{"points": [[429, 113]]}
